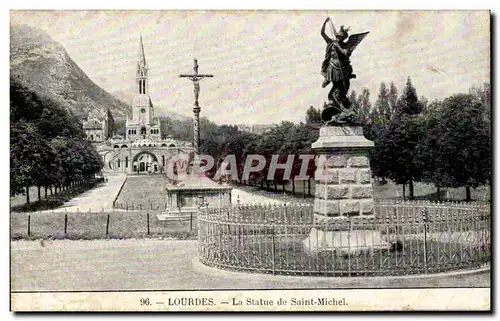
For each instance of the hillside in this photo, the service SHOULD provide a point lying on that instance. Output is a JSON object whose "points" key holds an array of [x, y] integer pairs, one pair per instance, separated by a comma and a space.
{"points": [[45, 65]]}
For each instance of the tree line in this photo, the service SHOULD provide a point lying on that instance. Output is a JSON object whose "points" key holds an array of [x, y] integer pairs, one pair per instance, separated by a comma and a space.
{"points": [[48, 146], [444, 142]]}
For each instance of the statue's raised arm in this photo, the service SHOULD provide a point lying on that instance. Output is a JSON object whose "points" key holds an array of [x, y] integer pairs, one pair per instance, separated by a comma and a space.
{"points": [[323, 32]]}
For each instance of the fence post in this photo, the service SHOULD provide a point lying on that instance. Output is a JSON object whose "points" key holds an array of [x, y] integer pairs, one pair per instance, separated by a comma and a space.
{"points": [[147, 219], [107, 225], [349, 246], [65, 223], [273, 249], [425, 239], [29, 225]]}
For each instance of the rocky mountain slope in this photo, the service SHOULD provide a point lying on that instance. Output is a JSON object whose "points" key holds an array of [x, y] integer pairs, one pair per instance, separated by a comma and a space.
{"points": [[46, 66]]}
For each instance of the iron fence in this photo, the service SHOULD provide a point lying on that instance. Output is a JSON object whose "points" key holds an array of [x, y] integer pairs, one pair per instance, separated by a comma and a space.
{"points": [[401, 238], [130, 206]]}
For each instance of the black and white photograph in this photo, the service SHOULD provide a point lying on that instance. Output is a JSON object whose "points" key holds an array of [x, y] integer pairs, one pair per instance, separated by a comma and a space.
{"points": [[263, 160]]}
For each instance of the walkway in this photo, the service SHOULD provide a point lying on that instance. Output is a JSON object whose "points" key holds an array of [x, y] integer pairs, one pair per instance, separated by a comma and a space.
{"points": [[153, 264], [96, 199], [244, 197], [252, 195]]}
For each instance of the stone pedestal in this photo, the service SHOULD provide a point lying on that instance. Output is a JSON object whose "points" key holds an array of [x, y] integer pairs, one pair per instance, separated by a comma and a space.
{"points": [[344, 192]]}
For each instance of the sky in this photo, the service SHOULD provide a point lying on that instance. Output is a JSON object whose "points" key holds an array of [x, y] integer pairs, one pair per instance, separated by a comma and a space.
{"points": [[266, 64]]}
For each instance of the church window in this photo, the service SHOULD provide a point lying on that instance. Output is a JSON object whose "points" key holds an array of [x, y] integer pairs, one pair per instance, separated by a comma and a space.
{"points": [[143, 110], [126, 161], [143, 131], [118, 162], [163, 160]]}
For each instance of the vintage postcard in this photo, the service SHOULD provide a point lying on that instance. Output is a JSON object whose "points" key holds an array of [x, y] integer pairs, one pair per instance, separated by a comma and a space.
{"points": [[250, 160]]}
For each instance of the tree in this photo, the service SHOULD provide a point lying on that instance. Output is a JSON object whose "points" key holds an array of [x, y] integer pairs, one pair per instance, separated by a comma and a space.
{"points": [[365, 105], [382, 105], [313, 115], [461, 143], [111, 124], [404, 133], [119, 127], [392, 98], [29, 155], [47, 143], [408, 103]]}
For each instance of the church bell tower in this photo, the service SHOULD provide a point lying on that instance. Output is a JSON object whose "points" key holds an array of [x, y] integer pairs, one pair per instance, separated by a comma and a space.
{"points": [[142, 126]]}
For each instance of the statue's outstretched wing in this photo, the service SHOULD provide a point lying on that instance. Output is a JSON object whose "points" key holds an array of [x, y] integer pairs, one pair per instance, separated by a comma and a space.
{"points": [[354, 40]]}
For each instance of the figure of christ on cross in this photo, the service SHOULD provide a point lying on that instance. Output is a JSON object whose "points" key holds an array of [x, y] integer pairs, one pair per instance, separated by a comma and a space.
{"points": [[195, 78]]}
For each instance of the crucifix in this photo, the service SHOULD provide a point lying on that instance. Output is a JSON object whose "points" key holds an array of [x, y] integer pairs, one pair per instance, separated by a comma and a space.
{"points": [[195, 78]]}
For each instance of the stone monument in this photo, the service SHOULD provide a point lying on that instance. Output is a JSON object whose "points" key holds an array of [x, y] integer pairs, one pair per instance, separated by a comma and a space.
{"points": [[195, 190], [344, 190]]}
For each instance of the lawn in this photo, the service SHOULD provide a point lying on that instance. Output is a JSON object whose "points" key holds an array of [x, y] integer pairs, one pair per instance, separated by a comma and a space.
{"points": [[143, 192], [50, 225]]}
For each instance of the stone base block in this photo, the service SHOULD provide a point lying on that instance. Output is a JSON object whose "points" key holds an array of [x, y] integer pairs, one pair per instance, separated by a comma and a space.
{"points": [[344, 241]]}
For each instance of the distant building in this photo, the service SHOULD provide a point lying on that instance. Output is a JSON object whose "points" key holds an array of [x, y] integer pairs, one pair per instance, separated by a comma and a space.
{"points": [[142, 149], [96, 127], [255, 129]]}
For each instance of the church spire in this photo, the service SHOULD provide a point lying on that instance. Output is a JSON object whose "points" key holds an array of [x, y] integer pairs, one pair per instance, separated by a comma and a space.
{"points": [[142, 70], [141, 62]]}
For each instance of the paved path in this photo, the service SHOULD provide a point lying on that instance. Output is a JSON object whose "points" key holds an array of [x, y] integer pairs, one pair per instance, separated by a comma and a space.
{"points": [[246, 197], [152, 264], [98, 198]]}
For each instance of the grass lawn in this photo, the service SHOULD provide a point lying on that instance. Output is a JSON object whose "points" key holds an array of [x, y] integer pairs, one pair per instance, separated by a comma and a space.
{"points": [[143, 192], [93, 226]]}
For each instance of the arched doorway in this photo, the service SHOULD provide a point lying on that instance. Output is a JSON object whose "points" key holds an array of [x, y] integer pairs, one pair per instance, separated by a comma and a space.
{"points": [[145, 163]]}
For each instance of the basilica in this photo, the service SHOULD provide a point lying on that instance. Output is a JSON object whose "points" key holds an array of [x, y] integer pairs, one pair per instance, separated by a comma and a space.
{"points": [[142, 150]]}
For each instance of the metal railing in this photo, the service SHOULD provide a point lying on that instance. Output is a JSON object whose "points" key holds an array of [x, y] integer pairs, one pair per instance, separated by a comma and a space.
{"points": [[410, 238], [145, 206]]}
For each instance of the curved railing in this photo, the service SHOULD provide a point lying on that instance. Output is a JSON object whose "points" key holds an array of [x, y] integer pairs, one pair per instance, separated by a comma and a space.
{"points": [[418, 238]]}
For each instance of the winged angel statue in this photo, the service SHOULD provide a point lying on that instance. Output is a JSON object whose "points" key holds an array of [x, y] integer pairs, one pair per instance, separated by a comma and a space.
{"points": [[337, 70]]}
